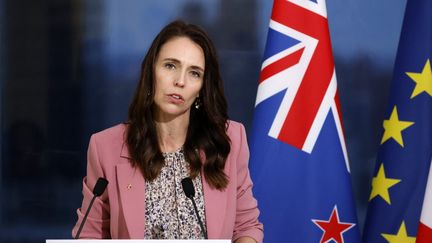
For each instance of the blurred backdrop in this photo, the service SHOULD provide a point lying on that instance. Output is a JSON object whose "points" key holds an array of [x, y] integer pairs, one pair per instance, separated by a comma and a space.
{"points": [[68, 69]]}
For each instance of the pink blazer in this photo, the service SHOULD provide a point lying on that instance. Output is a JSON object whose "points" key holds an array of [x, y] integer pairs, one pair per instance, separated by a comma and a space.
{"points": [[119, 212]]}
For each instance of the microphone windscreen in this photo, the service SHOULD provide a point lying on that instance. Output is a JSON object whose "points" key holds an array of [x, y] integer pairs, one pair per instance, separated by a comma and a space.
{"points": [[100, 186], [188, 187]]}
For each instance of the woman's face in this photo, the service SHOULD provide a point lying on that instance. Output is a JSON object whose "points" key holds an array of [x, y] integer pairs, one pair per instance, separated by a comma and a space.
{"points": [[179, 75]]}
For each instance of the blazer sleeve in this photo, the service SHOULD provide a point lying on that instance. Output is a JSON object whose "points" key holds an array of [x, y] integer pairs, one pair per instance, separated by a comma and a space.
{"points": [[98, 220], [247, 212]]}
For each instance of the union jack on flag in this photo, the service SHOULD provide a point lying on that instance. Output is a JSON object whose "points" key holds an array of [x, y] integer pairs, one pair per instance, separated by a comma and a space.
{"points": [[299, 161]]}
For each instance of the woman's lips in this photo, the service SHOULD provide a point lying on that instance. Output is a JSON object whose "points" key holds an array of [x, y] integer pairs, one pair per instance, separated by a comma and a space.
{"points": [[175, 98]]}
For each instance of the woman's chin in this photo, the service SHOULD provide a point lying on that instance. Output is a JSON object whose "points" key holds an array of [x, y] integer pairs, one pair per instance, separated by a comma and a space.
{"points": [[171, 113]]}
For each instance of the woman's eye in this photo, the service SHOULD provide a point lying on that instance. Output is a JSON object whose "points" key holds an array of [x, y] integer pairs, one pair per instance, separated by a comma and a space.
{"points": [[196, 74], [169, 65]]}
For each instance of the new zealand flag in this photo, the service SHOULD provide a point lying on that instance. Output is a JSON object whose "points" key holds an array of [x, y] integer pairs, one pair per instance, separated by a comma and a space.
{"points": [[299, 162]]}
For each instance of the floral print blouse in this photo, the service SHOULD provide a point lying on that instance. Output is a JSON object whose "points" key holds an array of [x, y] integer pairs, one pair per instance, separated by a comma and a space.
{"points": [[169, 214]]}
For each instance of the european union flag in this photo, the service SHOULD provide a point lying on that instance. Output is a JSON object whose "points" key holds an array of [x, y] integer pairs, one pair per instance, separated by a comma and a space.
{"points": [[404, 157], [299, 161]]}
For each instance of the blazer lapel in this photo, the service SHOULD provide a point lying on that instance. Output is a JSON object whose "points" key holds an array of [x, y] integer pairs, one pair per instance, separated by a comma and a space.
{"points": [[132, 194], [215, 204]]}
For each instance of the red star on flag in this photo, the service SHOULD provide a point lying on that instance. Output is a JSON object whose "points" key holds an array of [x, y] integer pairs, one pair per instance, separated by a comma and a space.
{"points": [[333, 228]]}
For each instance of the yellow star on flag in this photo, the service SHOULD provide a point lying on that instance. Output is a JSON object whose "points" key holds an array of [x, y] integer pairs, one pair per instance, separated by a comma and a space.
{"points": [[400, 237], [423, 80], [393, 128], [381, 185]]}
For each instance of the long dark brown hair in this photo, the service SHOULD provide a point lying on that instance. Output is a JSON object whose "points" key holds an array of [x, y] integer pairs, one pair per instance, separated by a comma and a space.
{"points": [[207, 127]]}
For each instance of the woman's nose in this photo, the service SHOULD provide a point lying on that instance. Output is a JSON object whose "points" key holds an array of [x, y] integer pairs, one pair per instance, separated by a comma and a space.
{"points": [[180, 80]]}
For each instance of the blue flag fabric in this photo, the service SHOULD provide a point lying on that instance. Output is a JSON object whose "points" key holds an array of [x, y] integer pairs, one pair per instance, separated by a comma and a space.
{"points": [[404, 156], [298, 160]]}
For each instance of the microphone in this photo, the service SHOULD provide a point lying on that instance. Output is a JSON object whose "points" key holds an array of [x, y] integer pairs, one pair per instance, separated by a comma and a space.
{"points": [[189, 191], [98, 189]]}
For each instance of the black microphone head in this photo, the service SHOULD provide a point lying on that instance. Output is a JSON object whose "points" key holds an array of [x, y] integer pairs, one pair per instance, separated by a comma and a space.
{"points": [[100, 186], [188, 187]]}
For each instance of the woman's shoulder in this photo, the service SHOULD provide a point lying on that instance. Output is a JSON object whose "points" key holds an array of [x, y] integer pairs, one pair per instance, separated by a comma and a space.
{"points": [[108, 144], [236, 132], [235, 128], [114, 134], [113, 131]]}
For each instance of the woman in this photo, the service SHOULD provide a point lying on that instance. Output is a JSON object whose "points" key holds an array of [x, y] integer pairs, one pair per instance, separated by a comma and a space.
{"points": [[177, 127]]}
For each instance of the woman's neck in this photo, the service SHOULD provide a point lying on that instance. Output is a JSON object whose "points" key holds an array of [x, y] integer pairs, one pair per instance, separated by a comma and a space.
{"points": [[171, 134]]}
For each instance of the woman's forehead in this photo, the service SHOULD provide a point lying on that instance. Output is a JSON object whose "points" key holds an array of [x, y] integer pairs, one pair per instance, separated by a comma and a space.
{"points": [[184, 50]]}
